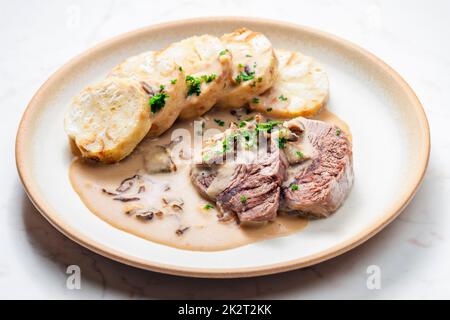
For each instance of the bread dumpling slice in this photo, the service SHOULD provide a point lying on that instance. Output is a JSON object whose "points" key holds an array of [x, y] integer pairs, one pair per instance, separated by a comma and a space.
{"points": [[206, 64], [163, 81], [254, 67], [301, 88], [107, 120]]}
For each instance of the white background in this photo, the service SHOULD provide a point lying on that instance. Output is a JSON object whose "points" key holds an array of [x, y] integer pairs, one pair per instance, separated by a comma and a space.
{"points": [[37, 37]]}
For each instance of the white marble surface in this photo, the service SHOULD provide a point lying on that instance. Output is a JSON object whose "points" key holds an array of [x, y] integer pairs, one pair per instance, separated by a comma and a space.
{"points": [[413, 252]]}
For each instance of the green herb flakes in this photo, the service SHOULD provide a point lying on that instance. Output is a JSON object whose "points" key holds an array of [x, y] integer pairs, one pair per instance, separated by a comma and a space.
{"points": [[255, 100], [158, 101], [219, 122]]}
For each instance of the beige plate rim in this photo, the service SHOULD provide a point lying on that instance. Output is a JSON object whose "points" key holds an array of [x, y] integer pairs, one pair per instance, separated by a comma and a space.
{"points": [[35, 196]]}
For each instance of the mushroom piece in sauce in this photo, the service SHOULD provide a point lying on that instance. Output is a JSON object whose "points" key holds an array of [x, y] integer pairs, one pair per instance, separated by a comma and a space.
{"points": [[298, 147], [158, 160], [176, 204]]}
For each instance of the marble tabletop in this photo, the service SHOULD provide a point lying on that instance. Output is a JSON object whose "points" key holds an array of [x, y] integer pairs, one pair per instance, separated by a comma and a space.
{"points": [[412, 254]]}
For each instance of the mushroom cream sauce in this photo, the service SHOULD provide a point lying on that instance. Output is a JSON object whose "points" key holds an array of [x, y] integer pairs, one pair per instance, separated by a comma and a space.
{"points": [[165, 207]]}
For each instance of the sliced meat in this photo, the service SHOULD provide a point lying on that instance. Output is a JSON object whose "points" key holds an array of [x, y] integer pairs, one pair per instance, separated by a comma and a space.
{"points": [[310, 161], [249, 190], [254, 190], [317, 186]]}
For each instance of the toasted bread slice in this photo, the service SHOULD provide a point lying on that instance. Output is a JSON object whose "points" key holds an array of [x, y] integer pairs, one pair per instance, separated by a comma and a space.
{"points": [[301, 88], [109, 119], [206, 64], [254, 67], [156, 72]]}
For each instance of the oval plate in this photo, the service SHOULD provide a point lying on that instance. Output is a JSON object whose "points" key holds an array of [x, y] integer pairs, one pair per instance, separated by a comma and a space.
{"points": [[390, 136]]}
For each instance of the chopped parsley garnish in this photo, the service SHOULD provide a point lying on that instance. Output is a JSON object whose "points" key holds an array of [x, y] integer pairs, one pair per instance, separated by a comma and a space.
{"points": [[299, 154], [245, 75], [294, 187], [242, 124], [267, 126], [206, 157], [248, 111], [269, 109], [250, 138], [247, 135], [209, 78], [228, 142], [173, 81], [338, 132], [243, 199], [194, 84], [241, 66], [158, 101], [282, 142], [180, 68], [254, 65], [219, 122], [225, 145], [282, 98], [255, 100], [208, 206], [248, 55], [223, 52]]}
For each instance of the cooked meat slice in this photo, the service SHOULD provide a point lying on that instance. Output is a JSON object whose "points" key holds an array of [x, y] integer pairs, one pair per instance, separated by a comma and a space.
{"points": [[301, 87], [318, 186], [206, 65], [253, 193], [249, 190], [254, 67], [163, 82]]}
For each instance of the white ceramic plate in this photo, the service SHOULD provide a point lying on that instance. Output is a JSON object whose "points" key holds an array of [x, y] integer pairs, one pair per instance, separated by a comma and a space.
{"points": [[391, 149]]}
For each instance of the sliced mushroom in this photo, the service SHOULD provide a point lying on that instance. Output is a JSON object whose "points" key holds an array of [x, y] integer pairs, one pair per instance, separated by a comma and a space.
{"points": [[181, 231], [144, 214], [109, 193], [126, 199], [128, 183], [299, 150], [135, 182], [175, 204], [158, 160], [174, 142], [295, 126], [147, 88]]}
